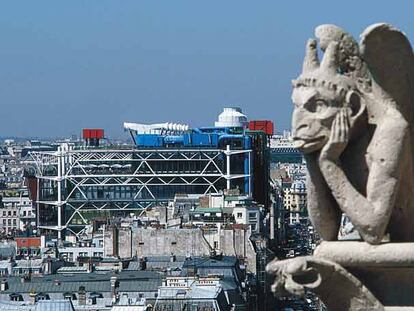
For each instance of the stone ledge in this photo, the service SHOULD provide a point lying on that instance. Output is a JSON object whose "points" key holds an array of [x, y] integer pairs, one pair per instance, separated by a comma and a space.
{"points": [[362, 254]]}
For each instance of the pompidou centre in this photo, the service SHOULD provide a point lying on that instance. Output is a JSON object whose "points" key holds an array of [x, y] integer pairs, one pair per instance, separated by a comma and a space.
{"points": [[79, 183]]}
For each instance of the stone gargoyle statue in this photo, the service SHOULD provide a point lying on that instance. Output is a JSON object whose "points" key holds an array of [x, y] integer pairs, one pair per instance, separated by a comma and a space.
{"points": [[353, 121]]}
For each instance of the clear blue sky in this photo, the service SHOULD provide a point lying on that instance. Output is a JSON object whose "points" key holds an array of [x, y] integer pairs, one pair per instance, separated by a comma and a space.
{"points": [[65, 65]]}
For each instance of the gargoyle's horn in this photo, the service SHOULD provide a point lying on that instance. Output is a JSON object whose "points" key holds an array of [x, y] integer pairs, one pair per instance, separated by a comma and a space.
{"points": [[330, 59], [311, 61]]}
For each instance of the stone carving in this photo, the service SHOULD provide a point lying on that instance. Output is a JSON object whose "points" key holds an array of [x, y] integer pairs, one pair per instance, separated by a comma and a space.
{"points": [[338, 289], [353, 120]]}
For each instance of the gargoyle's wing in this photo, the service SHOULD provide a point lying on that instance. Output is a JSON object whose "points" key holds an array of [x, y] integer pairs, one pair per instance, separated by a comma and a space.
{"points": [[389, 57]]}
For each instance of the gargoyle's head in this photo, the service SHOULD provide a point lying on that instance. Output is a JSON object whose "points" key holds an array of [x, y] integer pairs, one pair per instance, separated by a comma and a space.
{"points": [[319, 94]]}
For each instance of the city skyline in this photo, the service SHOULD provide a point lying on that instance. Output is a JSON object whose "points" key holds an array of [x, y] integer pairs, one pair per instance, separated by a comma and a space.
{"points": [[151, 157], [64, 67]]}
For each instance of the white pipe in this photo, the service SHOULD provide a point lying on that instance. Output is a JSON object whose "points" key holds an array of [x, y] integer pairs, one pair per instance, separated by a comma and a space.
{"points": [[59, 189], [156, 128], [228, 166]]}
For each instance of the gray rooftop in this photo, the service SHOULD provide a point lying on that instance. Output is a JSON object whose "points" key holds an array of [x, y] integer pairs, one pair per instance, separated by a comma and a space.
{"points": [[206, 262], [129, 281], [43, 305], [7, 251], [54, 305]]}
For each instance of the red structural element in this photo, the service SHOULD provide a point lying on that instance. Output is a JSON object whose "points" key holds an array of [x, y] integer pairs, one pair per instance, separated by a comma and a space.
{"points": [[262, 125], [28, 242], [93, 133], [31, 183]]}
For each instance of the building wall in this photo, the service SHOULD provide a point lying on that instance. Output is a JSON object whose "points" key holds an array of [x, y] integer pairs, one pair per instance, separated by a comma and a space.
{"points": [[16, 214], [72, 253], [110, 238], [125, 243], [180, 242], [212, 236], [118, 242], [248, 216], [236, 242], [295, 200], [10, 220]]}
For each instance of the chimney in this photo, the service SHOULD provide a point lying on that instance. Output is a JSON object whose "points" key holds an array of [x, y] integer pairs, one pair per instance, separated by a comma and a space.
{"points": [[90, 265], [114, 288], [82, 296], [42, 242], [4, 285], [115, 243], [48, 265], [33, 297], [143, 263]]}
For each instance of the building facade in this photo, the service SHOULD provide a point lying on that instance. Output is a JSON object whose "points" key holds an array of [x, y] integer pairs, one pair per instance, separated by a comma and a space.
{"points": [[73, 185], [295, 200]]}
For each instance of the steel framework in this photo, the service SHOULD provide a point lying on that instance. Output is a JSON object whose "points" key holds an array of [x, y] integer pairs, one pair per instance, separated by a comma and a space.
{"points": [[73, 182]]}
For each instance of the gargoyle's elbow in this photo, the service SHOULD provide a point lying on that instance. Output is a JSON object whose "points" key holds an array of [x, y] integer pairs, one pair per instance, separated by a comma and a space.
{"points": [[372, 236], [374, 240]]}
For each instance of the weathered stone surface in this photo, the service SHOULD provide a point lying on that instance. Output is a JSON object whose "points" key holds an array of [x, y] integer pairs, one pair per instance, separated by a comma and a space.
{"points": [[361, 254], [353, 120], [386, 269], [164, 242], [338, 289]]}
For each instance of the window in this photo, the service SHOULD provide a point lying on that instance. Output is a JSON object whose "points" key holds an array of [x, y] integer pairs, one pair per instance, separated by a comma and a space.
{"points": [[14, 213], [4, 213], [252, 216], [239, 215], [14, 222]]}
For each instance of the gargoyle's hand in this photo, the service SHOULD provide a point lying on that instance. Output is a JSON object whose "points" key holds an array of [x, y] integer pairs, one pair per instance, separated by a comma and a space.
{"points": [[339, 137], [294, 276]]}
